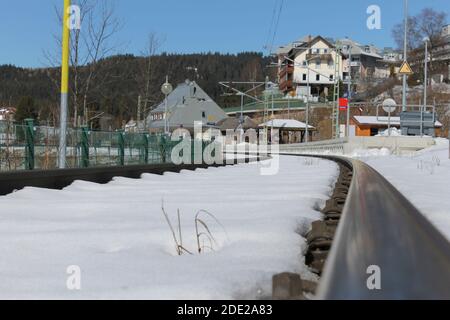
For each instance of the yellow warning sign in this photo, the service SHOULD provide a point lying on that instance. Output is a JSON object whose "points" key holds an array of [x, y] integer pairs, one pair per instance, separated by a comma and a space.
{"points": [[405, 69]]}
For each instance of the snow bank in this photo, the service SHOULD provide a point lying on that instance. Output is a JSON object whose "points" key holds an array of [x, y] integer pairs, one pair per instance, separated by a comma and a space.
{"points": [[424, 179], [368, 153], [117, 235], [394, 133]]}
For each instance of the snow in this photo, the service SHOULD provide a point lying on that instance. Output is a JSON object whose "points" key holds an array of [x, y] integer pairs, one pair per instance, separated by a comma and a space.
{"points": [[394, 132], [423, 178], [117, 235]]}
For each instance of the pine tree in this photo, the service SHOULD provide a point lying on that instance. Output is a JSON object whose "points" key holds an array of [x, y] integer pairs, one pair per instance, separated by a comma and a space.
{"points": [[26, 109]]}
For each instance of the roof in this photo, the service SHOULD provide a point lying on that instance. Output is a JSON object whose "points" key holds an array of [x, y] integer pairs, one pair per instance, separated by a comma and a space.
{"points": [[180, 96], [374, 120], [234, 123], [187, 104], [358, 49], [304, 44], [286, 124]]}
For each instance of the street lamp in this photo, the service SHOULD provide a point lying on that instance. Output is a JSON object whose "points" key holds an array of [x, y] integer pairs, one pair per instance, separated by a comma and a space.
{"points": [[166, 89], [241, 118], [405, 52], [425, 84]]}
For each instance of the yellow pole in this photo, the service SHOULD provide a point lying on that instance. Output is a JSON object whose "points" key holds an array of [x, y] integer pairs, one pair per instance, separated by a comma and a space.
{"points": [[64, 85]]}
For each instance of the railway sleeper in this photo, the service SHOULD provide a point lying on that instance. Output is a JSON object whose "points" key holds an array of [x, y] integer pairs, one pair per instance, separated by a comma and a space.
{"points": [[315, 259], [321, 230]]}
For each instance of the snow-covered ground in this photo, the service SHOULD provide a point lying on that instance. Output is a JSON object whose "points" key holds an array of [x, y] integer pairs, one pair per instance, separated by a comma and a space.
{"points": [[117, 235], [424, 178]]}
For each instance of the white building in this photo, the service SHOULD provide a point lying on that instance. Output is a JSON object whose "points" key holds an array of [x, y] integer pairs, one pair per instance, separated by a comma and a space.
{"points": [[313, 60]]}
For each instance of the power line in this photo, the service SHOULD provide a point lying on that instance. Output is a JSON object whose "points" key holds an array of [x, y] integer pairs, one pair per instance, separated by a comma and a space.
{"points": [[276, 25], [271, 26]]}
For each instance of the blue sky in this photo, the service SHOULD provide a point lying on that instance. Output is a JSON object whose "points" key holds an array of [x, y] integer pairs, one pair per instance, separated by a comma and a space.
{"points": [[27, 26]]}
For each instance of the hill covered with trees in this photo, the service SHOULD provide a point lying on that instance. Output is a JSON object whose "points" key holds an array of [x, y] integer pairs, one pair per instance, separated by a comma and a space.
{"points": [[115, 83]]}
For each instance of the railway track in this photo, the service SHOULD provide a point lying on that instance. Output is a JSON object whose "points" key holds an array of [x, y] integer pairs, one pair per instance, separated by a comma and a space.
{"points": [[369, 230], [374, 244]]}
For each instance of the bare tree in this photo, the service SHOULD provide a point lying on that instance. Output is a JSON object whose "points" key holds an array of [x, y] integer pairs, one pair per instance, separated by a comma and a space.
{"points": [[145, 76], [413, 35], [428, 23], [88, 45], [102, 26]]}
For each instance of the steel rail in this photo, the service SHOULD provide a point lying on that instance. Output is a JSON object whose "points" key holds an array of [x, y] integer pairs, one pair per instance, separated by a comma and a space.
{"points": [[380, 227]]}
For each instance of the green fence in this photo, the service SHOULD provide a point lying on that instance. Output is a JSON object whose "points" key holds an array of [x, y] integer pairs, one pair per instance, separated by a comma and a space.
{"points": [[28, 147]]}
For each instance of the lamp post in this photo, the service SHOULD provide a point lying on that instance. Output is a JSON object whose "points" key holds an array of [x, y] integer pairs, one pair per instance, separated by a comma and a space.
{"points": [[405, 49], [64, 86], [349, 94], [166, 89], [425, 84], [307, 102], [241, 118]]}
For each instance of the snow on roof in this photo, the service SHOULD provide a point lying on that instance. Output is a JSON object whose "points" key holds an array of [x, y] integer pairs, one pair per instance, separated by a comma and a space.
{"points": [[285, 123], [383, 120]]}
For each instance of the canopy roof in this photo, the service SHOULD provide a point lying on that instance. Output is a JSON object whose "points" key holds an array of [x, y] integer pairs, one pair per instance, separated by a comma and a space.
{"points": [[286, 124]]}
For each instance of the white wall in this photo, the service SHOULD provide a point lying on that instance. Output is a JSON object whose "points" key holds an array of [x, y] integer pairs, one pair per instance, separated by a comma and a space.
{"points": [[325, 69]]}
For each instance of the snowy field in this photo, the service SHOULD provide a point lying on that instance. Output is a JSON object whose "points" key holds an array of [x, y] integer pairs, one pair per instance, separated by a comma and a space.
{"points": [[117, 235], [424, 178]]}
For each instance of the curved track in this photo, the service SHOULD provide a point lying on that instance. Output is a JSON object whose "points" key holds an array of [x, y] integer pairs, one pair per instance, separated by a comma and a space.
{"points": [[380, 227]]}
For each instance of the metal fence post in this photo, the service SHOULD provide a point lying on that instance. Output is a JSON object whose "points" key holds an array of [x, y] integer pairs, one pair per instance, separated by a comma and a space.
{"points": [[163, 147], [84, 147], [29, 149], [145, 138], [121, 148]]}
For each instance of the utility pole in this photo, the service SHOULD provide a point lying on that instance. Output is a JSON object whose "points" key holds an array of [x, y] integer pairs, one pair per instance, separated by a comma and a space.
{"points": [[405, 49], [64, 86], [289, 107], [307, 102], [166, 89], [349, 91], [138, 116], [425, 84]]}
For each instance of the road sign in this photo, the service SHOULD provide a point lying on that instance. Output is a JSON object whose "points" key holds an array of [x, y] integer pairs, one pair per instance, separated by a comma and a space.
{"points": [[405, 69], [343, 104], [389, 105]]}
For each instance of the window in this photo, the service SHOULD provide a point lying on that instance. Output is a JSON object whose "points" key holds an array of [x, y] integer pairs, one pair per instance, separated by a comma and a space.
{"points": [[331, 77], [304, 63], [203, 114], [317, 77], [325, 50], [318, 63], [373, 131], [304, 77]]}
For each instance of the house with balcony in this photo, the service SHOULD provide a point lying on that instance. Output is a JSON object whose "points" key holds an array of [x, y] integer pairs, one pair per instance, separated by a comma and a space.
{"points": [[310, 60], [366, 62]]}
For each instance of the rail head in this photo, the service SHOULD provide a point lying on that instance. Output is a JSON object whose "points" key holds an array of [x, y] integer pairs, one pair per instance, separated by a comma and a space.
{"points": [[381, 234]]}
